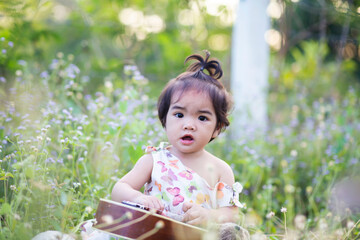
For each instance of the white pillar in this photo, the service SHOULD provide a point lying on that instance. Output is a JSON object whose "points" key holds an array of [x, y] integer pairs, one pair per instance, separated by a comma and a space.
{"points": [[249, 67]]}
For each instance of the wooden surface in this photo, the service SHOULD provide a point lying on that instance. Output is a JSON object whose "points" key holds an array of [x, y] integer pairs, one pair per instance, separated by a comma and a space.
{"points": [[134, 223]]}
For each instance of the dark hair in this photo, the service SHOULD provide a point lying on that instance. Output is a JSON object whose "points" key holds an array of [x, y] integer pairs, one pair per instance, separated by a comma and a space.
{"points": [[196, 78]]}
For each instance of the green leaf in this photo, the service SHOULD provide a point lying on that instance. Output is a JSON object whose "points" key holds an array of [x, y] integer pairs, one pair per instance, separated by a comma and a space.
{"points": [[29, 172], [63, 198], [6, 175], [5, 208], [123, 106]]}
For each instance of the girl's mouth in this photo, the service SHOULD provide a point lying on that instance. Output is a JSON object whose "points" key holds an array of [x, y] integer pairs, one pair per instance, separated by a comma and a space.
{"points": [[187, 139]]}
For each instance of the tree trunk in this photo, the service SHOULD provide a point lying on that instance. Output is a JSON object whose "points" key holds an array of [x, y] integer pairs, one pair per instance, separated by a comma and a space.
{"points": [[249, 67]]}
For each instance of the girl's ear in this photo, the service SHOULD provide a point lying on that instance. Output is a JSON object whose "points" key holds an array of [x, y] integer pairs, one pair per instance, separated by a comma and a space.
{"points": [[216, 133]]}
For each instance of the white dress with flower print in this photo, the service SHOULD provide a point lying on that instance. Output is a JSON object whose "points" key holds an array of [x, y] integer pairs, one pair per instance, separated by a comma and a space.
{"points": [[174, 184]]}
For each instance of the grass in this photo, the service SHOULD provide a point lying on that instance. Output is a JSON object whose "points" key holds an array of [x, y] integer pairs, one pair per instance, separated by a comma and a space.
{"points": [[62, 149]]}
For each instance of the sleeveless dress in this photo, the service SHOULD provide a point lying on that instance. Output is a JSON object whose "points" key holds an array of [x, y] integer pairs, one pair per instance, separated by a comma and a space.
{"points": [[174, 183]]}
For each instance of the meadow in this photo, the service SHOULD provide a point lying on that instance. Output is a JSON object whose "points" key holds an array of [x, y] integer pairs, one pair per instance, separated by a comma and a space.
{"points": [[62, 149]]}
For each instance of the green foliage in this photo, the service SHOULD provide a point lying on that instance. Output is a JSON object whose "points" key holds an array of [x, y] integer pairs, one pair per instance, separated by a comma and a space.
{"points": [[308, 78], [63, 149], [99, 41], [73, 125]]}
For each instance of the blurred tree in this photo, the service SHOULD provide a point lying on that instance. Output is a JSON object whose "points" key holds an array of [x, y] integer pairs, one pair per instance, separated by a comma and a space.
{"points": [[158, 35], [334, 24], [250, 61], [103, 36]]}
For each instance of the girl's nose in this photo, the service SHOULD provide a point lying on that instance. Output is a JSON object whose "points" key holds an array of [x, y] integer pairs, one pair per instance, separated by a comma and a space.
{"points": [[189, 126]]}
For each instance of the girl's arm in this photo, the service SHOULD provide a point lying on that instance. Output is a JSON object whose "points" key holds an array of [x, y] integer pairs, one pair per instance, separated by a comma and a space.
{"points": [[197, 215], [127, 188]]}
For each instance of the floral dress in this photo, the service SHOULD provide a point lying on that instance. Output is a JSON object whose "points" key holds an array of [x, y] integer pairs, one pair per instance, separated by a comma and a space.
{"points": [[174, 184]]}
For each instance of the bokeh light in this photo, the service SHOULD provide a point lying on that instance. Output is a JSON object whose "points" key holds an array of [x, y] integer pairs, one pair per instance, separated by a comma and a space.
{"points": [[131, 17], [140, 24], [273, 38], [274, 9], [186, 17], [219, 42], [60, 13]]}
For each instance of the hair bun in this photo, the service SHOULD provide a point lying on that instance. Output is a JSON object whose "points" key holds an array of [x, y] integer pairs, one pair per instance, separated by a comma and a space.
{"points": [[211, 65]]}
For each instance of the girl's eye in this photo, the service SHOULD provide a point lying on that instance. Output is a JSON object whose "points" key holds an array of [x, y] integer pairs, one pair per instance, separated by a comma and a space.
{"points": [[179, 115], [203, 118]]}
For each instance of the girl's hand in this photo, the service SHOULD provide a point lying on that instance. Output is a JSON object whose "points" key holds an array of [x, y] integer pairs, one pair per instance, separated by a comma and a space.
{"points": [[151, 202], [195, 214]]}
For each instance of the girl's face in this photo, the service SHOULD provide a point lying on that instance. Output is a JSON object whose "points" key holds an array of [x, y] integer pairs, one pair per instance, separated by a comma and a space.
{"points": [[190, 122]]}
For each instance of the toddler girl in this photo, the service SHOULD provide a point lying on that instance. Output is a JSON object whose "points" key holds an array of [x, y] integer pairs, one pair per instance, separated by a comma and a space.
{"points": [[181, 178]]}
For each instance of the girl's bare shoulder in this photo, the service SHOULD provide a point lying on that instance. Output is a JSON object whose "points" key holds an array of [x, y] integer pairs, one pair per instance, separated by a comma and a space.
{"points": [[147, 159], [223, 169], [144, 162], [218, 162]]}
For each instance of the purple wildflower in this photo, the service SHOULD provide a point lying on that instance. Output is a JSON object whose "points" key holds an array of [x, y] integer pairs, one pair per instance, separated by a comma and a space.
{"points": [[22, 62]]}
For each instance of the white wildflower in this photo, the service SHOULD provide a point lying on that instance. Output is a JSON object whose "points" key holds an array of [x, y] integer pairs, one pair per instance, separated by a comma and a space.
{"points": [[293, 153], [300, 222], [237, 187], [159, 224], [323, 224], [17, 216], [270, 214], [88, 209], [107, 219], [350, 224]]}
